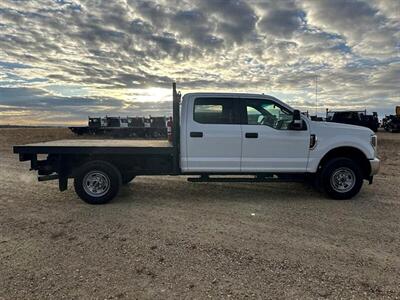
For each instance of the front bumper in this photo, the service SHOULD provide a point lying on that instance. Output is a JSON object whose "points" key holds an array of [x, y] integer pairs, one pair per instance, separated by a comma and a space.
{"points": [[375, 165]]}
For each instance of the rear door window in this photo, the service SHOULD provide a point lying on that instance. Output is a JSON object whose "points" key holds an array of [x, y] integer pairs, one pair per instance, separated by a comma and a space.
{"points": [[215, 111]]}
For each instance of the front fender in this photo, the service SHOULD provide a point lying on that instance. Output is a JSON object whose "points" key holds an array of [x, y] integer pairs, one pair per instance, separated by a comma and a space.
{"points": [[325, 145]]}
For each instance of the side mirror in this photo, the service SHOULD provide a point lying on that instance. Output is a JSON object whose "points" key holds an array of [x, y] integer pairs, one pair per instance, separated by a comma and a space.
{"points": [[297, 123]]}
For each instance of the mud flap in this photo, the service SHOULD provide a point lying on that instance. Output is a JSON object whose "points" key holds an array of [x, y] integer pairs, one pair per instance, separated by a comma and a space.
{"points": [[62, 183], [62, 175]]}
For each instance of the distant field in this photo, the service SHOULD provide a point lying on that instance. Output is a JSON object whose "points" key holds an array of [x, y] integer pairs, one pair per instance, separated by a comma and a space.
{"points": [[30, 126]]}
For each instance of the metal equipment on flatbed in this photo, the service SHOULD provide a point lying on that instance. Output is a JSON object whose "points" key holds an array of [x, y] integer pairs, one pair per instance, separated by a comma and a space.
{"points": [[138, 127]]}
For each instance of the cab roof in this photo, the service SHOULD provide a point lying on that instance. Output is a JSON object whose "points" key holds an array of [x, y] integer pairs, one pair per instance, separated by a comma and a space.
{"points": [[236, 95]]}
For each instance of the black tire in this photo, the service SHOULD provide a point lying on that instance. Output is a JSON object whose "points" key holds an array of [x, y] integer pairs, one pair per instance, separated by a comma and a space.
{"points": [[106, 173], [350, 174], [126, 178]]}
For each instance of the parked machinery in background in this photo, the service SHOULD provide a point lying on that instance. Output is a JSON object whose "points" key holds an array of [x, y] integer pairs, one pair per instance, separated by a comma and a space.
{"points": [[392, 122], [360, 118], [113, 122], [313, 117], [316, 118], [96, 122], [135, 127]]}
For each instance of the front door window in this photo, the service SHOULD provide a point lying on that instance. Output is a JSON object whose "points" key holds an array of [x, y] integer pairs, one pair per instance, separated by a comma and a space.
{"points": [[266, 112]]}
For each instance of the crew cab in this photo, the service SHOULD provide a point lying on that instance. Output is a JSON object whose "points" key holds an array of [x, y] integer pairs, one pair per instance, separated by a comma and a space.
{"points": [[256, 136]]}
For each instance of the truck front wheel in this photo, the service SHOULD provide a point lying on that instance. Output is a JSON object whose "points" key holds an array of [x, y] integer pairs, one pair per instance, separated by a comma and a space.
{"points": [[341, 178], [97, 182]]}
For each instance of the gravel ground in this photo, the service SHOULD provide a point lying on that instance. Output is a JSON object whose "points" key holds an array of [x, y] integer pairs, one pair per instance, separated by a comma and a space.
{"points": [[166, 238]]}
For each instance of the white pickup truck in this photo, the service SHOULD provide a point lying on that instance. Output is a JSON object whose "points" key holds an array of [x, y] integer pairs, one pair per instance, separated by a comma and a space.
{"points": [[256, 136]]}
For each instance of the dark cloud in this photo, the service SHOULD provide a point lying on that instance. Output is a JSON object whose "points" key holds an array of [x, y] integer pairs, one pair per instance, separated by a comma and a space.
{"points": [[152, 11], [195, 25], [36, 98], [281, 22], [235, 19], [191, 24], [280, 18]]}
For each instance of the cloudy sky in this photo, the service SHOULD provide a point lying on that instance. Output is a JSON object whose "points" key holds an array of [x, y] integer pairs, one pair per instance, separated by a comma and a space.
{"points": [[62, 60]]}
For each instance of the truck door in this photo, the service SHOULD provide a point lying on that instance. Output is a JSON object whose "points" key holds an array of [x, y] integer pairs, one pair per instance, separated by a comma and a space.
{"points": [[214, 137], [268, 143]]}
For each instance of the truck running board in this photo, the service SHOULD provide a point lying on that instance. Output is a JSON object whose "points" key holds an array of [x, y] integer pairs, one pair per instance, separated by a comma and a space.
{"points": [[286, 178]]}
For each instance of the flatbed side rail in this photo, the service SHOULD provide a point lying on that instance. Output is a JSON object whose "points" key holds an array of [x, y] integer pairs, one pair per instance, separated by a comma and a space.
{"points": [[26, 152]]}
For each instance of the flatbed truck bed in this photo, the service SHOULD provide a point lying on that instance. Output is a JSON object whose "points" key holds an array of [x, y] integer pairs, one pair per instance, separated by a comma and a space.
{"points": [[97, 146], [131, 157]]}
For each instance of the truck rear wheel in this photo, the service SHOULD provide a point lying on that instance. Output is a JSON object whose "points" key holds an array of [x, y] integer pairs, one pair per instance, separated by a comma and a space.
{"points": [[341, 178], [97, 182]]}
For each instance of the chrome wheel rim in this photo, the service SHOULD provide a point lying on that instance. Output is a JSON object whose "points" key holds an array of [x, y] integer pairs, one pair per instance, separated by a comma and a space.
{"points": [[96, 183], [343, 180]]}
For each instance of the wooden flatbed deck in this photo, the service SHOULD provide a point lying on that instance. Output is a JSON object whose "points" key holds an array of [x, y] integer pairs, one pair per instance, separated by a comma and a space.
{"points": [[109, 146]]}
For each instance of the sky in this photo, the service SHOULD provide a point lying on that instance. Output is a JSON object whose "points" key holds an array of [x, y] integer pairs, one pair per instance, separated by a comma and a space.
{"points": [[63, 60]]}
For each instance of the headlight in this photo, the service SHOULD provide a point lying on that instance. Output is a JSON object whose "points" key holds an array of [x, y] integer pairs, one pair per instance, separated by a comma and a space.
{"points": [[374, 141]]}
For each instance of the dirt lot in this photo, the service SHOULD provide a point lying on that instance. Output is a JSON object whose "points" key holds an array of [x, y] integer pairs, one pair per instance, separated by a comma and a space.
{"points": [[168, 238]]}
